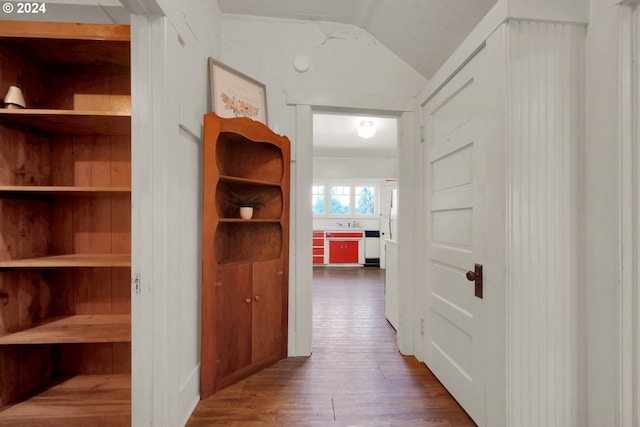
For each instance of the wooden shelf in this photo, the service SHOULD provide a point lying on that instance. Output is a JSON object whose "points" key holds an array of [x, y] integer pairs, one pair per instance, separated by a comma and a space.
{"points": [[86, 400], [54, 191], [236, 220], [75, 329], [69, 43], [71, 260], [236, 180], [73, 122]]}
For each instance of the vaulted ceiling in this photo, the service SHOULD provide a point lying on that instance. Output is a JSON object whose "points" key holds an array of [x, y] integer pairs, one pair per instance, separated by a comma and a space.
{"points": [[421, 32]]}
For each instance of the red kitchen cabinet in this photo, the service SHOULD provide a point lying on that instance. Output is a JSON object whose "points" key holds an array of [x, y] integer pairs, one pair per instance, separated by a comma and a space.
{"points": [[318, 247], [343, 252]]}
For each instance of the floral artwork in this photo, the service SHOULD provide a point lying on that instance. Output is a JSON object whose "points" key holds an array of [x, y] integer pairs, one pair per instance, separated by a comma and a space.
{"points": [[239, 107], [234, 94]]}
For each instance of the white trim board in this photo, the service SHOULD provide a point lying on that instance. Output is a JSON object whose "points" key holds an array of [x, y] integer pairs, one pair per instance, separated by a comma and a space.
{"points": [[355, 101], [629, 295]]}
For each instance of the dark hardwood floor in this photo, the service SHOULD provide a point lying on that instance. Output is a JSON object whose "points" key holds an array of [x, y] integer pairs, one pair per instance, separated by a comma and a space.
{"points": [[355, 376]]}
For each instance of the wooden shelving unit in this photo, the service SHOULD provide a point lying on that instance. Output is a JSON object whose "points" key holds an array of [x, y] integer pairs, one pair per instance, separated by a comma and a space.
{"points": [[65, 224], [245, 261]]}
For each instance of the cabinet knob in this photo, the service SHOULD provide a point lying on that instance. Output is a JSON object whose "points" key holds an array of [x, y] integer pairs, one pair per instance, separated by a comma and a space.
{"points": [[257, 297], [247, 300]]}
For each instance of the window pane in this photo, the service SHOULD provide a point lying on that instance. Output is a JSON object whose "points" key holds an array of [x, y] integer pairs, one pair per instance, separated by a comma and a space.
{"points": [[340, 200], [317, 199], [365, 200]]}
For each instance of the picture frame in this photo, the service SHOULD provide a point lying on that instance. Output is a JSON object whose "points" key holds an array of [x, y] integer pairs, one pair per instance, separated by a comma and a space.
{"points": [[234, 94]]}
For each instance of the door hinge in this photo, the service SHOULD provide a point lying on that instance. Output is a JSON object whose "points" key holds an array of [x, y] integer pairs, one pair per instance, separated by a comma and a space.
{"points": [[137, 286], [423, 135]]}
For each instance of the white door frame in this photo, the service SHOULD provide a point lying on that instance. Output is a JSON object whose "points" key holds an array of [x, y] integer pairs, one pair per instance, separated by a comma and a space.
{"points": [[300, 291], [148, 325], [629, 294]]}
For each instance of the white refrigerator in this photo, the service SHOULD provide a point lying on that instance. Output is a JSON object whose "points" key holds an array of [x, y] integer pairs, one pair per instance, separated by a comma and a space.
{"points": [[388, 219], [393, 216]]}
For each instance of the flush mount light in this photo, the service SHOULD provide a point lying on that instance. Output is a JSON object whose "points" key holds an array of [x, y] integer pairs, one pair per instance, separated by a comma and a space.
{"points": [[366, 129]]}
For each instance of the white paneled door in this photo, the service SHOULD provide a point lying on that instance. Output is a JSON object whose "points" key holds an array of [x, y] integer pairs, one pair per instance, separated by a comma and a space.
{"points": [[454, 162]]}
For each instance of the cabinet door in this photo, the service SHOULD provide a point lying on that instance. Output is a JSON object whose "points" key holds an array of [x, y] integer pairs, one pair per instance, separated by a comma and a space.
{"points": [[350, 251], [233, 296], [267, 310], [336, 252], [343, 252]]}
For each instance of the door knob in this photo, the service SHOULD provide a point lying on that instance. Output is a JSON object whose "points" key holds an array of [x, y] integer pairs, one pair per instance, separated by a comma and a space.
{"points": [[257, 297], [247, 300], [476, 276]]}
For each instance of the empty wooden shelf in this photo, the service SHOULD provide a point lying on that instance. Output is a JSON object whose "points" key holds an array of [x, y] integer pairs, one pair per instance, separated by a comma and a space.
{"points": [[84, 400], [75, 329], [70, 260], [71, 122]]}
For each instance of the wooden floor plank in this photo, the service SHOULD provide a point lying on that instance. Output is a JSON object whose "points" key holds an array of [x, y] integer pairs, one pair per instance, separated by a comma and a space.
{"points": [[355, 376]]}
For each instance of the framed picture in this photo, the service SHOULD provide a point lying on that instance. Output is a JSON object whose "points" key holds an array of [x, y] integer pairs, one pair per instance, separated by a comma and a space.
{"points": [[234, 94]]}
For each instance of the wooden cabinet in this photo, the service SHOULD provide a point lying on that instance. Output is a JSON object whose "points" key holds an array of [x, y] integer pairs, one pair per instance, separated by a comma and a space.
{"points": [[244, 261], [65, 209]]}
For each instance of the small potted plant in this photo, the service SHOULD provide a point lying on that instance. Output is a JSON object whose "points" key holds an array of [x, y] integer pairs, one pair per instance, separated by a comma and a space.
{"points": [[246, 204]]}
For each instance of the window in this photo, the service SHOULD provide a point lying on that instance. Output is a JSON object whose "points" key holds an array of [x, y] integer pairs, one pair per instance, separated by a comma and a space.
{"points": [[344, 200], [340, 200], [318, 199], [364, 200]]}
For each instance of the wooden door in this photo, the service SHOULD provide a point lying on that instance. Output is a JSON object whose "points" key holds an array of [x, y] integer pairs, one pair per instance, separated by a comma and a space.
{"points": [[233, 329], [267, 310], [454, 160]]}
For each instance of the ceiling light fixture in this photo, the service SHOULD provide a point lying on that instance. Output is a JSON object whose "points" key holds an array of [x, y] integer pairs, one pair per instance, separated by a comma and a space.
{"points": [[366, 129]]}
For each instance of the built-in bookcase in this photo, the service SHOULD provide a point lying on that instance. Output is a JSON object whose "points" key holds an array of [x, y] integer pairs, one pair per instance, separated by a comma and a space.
{"points": [[65, 230]]}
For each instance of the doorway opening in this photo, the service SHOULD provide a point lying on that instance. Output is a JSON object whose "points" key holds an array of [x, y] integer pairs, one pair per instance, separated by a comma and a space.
{"points": [[354, 205]]}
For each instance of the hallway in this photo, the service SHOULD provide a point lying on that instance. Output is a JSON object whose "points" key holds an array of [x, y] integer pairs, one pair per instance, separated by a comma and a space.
{"points": [[355, 377]]}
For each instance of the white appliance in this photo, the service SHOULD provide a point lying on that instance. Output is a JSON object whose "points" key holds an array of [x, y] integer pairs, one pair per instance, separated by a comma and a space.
{"points": [[386, 193], [393, 216], [372, 248]]}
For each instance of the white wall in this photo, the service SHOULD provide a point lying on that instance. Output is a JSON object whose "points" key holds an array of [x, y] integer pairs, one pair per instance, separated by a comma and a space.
{"points": [[345, 60], [170, 97], [186, 100], [354, 168]]}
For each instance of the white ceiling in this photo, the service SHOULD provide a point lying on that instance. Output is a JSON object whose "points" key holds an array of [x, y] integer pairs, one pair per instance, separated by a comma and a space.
{"points": [[423, 33], [336, 135]]}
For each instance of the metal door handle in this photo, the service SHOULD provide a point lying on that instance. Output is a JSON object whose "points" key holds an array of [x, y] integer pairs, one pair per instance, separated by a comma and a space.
{"points": [[476, 276]]}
